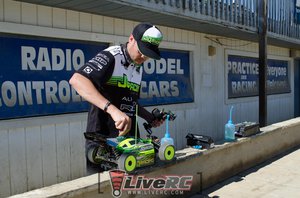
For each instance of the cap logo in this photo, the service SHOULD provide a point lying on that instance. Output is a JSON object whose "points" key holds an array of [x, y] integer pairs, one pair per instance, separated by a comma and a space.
{"points": [[152, 36]]}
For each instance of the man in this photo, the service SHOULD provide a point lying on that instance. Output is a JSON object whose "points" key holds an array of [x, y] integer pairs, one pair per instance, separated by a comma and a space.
{"points": [[111, 83]]}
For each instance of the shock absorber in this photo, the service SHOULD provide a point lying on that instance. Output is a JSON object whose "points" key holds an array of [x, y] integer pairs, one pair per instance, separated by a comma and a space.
{"points": [[115, 152]]}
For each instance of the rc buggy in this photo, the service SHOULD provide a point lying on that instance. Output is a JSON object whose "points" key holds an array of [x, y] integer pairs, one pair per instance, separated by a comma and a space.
{"points": [[129, 153]]}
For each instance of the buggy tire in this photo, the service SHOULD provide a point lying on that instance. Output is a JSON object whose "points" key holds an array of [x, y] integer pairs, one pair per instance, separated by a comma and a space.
{"points": [[166, 152], [91, 155], [127, 162]]}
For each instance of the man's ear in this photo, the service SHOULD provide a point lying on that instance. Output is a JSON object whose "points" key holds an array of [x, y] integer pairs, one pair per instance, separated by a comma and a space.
{"points": [[131, 38]]}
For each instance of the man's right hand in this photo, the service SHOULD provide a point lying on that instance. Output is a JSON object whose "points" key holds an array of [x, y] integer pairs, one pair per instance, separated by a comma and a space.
{"points": [[122, 121], [88, 91]]}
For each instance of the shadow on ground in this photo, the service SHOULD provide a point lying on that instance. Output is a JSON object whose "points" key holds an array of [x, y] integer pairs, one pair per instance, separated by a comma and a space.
{"points": [[240, 176]]}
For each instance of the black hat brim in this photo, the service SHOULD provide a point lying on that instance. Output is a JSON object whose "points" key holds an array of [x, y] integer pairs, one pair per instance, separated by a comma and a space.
{"points": [[149, 50]]}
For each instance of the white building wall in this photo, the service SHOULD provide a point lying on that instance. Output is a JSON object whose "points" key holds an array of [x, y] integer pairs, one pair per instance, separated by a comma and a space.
{"points": [[40, 151]]}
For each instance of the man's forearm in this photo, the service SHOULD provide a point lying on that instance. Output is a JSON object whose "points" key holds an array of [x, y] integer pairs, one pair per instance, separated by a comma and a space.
{"points": [[145, 114], [87, 90]]}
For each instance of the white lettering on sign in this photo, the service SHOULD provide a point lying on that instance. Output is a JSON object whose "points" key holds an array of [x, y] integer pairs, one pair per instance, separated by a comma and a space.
{"points": [[38, 86], [58, 59], [159, 89], [243, 87], [277, 71], [246, 68], [242, 67], [32, 92], [43, 60], [9, 93], [53, 59], [24, 93], [163, 66], [51, 90]]}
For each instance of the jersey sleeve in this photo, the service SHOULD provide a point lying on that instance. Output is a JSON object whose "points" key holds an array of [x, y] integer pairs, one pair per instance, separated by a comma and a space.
{"points": [[99, 69]]}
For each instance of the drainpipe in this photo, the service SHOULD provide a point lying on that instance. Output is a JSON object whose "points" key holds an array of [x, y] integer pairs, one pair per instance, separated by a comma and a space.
{"points": [[262, 35]]}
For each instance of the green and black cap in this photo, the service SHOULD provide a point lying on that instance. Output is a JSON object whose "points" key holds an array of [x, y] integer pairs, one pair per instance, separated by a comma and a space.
{"points": [[148, 38]]}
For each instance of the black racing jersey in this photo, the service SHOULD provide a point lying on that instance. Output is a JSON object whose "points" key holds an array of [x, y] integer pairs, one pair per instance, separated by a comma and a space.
{"points": [[118, 79]]}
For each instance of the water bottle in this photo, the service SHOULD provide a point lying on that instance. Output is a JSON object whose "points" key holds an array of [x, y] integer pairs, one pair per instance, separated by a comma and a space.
{"points": [[167, 139], [230, 128]]}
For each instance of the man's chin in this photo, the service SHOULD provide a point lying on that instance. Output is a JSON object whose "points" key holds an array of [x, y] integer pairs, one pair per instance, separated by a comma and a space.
{"points": [[139, 62]]}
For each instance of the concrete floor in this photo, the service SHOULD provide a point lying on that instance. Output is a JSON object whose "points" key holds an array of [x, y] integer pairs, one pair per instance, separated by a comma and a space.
{"points": [[278, 177]]}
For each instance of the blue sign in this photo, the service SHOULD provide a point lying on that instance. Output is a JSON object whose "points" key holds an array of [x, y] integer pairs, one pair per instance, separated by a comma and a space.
{"points": [[243, 76], [35, 73], [167, 81]]}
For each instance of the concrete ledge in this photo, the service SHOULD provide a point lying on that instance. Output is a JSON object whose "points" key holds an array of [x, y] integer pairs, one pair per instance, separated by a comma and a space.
{"points": [[217, 164]]}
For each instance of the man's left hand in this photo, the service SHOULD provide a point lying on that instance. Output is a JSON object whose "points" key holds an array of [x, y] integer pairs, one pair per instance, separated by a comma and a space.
{"points": [[157, 123]]}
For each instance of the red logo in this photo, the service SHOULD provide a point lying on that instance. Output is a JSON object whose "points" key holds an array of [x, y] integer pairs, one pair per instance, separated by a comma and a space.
{"points": [[116, 179]]}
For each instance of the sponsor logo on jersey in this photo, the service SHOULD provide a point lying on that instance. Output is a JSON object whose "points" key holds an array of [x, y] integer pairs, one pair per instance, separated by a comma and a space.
{"points": [[123, 82], [87, 70]]}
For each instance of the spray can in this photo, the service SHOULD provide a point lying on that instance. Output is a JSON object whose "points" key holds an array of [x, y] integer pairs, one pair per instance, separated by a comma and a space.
{"points": [[230, 128], [167, 139]]}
